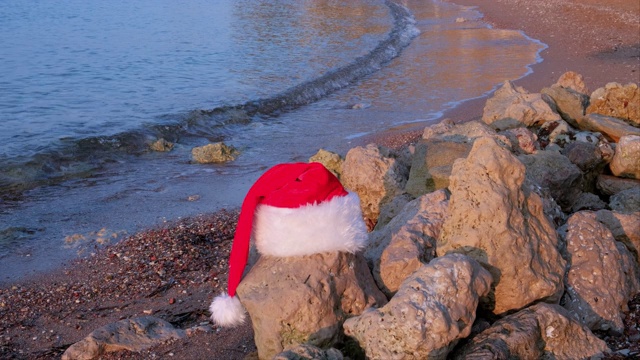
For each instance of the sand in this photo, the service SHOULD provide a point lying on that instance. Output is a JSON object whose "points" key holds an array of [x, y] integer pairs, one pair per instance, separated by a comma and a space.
{"points": [[174, 272]]}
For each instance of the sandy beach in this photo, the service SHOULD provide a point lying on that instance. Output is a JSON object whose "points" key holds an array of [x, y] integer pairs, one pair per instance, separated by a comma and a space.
{"points": [[174, 272]]}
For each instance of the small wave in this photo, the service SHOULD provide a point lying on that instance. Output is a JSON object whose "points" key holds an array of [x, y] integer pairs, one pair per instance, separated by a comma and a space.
{"points": [[81, 158]]}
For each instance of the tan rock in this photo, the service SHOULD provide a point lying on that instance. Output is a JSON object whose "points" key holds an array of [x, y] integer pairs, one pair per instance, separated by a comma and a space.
{"points": [[214, 153], [330, 160], [597, 287], [433, 309], [392, 209], [542, 331], [309, 352], [570, 104], [500, 223], [618, 101], [625, 228], [610, 185], [574, 81], [612, 128], [626, 160], [129, 334], [523, 140], [305, 299], [375, 176], [512, 107], [465, 132], [407, 242], [161, 145]]}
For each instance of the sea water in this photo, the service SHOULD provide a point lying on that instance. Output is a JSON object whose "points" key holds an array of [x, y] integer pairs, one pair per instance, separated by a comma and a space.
{"points": [[87, 86]]}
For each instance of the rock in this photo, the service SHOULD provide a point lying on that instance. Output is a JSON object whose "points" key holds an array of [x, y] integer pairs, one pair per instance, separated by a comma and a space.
{"points": [[591, 158], [407, 242], [442, 127], [626, 201], [522, 140], [305, 299], [392, 209], [512, 107], [555, 132], [626, 160], [432, 163], [330, 160], [465, 132], [555, 172], [625, 228], [588, 201], [500, 223], [309, 352], [612, 128], [129, 334], [574, 81], [610, 185], [161, 145], [597, 288], [214, 153], [570, 104], [618, 101], [433, 309], [542, 331], [375, 176]]}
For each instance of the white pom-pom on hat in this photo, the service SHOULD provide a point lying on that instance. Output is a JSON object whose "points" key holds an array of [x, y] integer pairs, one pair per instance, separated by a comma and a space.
{"points": [[299, 209]]}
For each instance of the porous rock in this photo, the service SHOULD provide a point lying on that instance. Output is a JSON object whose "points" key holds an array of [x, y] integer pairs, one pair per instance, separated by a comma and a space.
{"points": [[305, 299], [161, 145], [512, 107], [612, 128], [407, 242], [330, 160], [468, 131], [618, 101], [214, 153], [626, 201], [391, 209], [555, 172], [500, 223], [626, 160], [130, 334], [433, 309], [597, 283], [376, 176], [542, 331], [625, 228], [610, 185], [570, 104], [523, 140], [574, 81], [309, 352]]}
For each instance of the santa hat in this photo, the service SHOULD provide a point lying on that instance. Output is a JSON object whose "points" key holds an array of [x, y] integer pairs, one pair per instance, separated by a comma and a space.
{"points": [[292, 210]]}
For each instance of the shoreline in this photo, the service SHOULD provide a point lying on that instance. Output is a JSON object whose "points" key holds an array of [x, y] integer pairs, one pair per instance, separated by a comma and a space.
{"points": [[53, 325]]}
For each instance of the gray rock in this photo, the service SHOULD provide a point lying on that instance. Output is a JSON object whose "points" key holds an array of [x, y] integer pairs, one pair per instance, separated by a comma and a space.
{"points": [[626, 201], [597, 288], [523, 140], [570, 104], [305, 299], [500, 223], [542, 331], [555, 172], [618, 101], [330, 160], [591, 158], [512, 107], [407, 242], [214, 153], [612, 128], [588, 201], [626, 160], [309, 352], [375, 176], [392, 209], [611, 185], [131, 334], [433, 309]]}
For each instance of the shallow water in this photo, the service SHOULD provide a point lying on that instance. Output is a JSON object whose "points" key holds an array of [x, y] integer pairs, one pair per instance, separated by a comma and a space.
{"points": [[98, 82]]}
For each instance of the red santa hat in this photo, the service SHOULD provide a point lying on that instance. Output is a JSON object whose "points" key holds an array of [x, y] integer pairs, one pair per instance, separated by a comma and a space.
{"points": [[292, 210]]}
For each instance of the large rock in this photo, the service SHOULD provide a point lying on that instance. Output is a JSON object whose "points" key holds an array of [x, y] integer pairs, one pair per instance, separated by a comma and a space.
{"points": [[574, 81], [542, 331], [618, 101], [447, 130], [330, 160], [309, 352], [129, 334], [569, 103], [214, 153], [500, 223], [432, 162], [555, 172], [612, 128], [625, 228], [375, 176], [610, 185], [434, 308], [305, 299], [626, 160], [512, 107], [407, 242], [598, 285], [626, 201]]}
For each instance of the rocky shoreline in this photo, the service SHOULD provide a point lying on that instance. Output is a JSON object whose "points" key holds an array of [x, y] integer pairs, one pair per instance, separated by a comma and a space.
{"points": [[548, 179]]}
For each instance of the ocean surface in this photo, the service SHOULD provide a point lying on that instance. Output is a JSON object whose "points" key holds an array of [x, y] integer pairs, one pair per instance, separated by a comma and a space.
{"points": [[87, 86]]}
